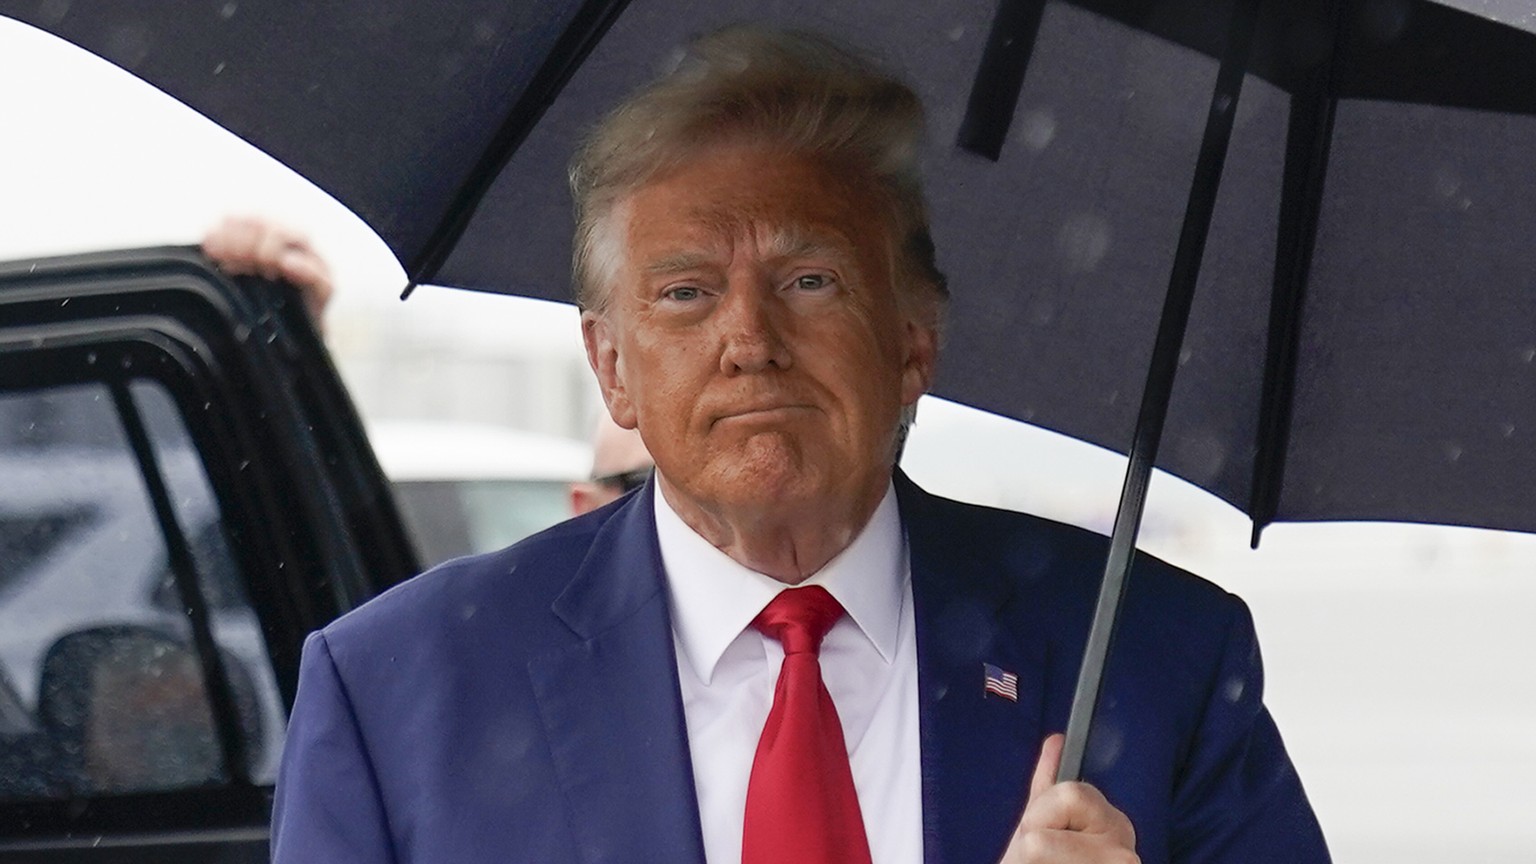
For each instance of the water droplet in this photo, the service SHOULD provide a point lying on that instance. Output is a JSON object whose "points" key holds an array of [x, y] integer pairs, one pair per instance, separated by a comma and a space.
{"points": [[244, 464], [1082, 242], [956, 33], [90, 359], [1203, 454], [227, 11], [1037, 128], [219, 69], [468, 611], [1105, 746], [52, 11], [1233, 689], [126, 362], [1509, 430], [1530, 354], [1453, 451], [64, 302], [128, 45], [1447, 183], [1184, 355]]}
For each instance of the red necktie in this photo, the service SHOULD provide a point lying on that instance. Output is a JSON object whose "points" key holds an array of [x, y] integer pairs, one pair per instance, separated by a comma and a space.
{"points": [[801, 805]]}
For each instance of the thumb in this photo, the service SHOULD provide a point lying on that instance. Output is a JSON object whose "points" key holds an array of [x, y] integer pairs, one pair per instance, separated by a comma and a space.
{"points": [[1045, 770]]}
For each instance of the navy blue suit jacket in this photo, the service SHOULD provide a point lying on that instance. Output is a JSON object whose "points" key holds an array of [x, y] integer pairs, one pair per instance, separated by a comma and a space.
{"points": [[524, 705]]}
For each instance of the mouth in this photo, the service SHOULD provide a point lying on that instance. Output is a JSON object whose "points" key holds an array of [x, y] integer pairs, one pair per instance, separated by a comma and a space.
{"points": [[761, 413]]}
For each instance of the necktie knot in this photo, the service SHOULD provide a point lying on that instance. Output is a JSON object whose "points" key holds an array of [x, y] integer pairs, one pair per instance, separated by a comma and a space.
{"points": [[799, 618]]}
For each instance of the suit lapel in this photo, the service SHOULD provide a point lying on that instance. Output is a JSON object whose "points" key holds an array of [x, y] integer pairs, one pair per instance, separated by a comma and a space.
{"points": [[978, 749], [611, 705]]}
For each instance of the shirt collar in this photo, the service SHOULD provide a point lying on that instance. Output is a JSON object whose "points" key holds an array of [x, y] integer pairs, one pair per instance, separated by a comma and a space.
{"points": [[713, 598]]}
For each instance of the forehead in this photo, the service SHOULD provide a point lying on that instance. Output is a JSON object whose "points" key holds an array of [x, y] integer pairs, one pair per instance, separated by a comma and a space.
{"points": [[781, 202]]}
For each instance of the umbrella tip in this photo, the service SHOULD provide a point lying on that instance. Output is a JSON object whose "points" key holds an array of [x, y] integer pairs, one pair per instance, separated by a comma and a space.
{"points": [[406, 294], [1253, 538]]}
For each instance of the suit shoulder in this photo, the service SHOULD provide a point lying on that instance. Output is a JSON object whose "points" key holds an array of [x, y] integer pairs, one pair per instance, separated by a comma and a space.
{"points": [[1069, 558]]}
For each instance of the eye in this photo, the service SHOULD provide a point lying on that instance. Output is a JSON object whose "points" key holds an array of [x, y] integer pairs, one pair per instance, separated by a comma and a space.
{"points": [[812, 282], [683, 293]]}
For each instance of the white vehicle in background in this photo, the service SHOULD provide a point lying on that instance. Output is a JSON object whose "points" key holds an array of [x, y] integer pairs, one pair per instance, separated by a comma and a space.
{"points": [[466, 488]]}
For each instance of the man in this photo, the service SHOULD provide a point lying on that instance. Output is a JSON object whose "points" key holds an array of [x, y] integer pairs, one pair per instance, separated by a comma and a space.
{"points": [[780, 649]]}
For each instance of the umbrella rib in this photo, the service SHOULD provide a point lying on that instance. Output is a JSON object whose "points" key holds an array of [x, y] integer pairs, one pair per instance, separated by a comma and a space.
{"points": [[587, 27], [1182, 280], [1000, 77], [1308, 139]]}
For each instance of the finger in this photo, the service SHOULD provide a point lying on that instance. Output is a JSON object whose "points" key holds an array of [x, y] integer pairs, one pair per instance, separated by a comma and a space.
{"points": [[232, 244], [1067, 847], [272, 246], [1046, 768], [1081, 808], [309, 273]]}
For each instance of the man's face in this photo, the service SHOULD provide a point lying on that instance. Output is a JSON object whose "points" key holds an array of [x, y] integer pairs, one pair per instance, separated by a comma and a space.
{"points": [[754, 336]]}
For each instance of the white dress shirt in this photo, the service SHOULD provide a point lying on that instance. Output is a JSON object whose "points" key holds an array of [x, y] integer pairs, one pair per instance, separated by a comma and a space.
{"points": [[728, 672]]}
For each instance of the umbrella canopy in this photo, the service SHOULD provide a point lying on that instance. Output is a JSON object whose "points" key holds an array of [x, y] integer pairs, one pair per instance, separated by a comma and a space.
{"points": [[1346, 187], [1377, 175]]}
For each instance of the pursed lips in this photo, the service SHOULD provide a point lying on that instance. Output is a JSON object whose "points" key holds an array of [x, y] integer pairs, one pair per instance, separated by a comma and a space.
{"points": [[761, 412]]}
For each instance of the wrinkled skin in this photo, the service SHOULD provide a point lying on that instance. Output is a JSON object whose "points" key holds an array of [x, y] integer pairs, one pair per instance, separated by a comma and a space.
{"points": [[755, 337]]}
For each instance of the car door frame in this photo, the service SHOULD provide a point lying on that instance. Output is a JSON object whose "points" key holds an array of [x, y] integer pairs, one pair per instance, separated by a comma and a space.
{"points": [[308, 512]]}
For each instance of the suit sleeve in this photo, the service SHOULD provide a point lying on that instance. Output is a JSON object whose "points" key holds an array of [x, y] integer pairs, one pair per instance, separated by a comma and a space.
{"points": [[1238, 798], [328, 806]]}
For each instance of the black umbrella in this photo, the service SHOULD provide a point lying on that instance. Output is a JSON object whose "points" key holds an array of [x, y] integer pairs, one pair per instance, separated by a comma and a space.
{"points": [[1362, 343]]}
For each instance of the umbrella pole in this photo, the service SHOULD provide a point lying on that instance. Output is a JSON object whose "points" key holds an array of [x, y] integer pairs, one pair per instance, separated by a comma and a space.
{"points": [[1159, 387]]}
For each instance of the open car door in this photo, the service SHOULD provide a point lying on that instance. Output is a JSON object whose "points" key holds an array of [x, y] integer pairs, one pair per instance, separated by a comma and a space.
{"points": [[185, 492]]}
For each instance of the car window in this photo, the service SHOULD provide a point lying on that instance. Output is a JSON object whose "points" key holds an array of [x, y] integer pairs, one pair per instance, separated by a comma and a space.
{"points": [[99, 635]]}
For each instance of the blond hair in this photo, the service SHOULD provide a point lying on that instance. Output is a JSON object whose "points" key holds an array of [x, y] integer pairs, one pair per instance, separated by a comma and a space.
{"points": [[798, 91]]}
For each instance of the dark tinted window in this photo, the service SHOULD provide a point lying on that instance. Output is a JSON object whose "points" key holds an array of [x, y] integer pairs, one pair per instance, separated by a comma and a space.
{"points": [[95, 636]]}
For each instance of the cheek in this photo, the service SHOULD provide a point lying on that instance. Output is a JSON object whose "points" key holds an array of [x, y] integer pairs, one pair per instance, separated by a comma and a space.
{"points": [[664, 381]]}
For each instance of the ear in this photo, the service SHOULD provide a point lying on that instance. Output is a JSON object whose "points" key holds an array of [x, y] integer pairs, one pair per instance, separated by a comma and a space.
{"points": [[600, 338], [922, 359]]}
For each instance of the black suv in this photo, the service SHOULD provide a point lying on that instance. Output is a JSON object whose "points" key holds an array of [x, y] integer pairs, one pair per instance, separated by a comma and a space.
{"points": [[185, 492]]}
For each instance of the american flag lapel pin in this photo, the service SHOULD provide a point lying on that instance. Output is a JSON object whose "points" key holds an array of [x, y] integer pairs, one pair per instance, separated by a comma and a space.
{"points": [[999, 683]]}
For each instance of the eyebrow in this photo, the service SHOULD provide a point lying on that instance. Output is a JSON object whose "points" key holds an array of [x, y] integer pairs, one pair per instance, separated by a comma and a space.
{"points": [[778, 241], [678, 262], [798, 241]]}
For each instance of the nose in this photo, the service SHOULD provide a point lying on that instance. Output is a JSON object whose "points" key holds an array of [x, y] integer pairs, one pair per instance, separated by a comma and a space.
{"points": [[753, 337]]}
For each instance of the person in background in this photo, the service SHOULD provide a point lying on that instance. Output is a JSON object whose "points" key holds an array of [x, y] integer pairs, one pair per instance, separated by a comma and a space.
{"points": [[620, 464]]}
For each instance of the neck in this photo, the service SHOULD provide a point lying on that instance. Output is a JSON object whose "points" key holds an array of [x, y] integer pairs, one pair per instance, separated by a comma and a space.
{"points": [[790, 547]]}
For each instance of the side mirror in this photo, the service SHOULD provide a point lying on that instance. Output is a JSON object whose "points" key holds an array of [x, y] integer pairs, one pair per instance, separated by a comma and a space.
{"points": [[126, 710]]}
